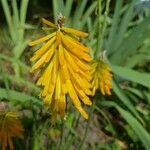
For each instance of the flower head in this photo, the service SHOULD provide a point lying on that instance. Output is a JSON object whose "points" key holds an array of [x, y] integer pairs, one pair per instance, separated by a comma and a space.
{"points": [[64, 68], [101, 76], [10, 126]]}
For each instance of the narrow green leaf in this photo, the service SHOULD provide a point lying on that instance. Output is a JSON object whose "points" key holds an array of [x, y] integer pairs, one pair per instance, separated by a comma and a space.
{"points": [[87, 14], [130, 44], [79, 13], [143, 135], [114, 26], [58, 7], [8, 19], [139, 130], [19, 96], [125, 100], [67, 8], [124, 24], [23, 13], [132, 75]]}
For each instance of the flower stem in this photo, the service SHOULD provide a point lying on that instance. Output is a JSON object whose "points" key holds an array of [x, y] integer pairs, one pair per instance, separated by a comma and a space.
{"points": [[101, 29], [88, 124]]}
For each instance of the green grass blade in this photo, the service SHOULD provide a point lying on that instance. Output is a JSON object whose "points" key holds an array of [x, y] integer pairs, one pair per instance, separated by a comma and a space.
{"points": [[143, 135], [67, 8], [114, 26], [125, 100], [87, 14], [139, 130], [15, 13], [124, 24], [58, 7], [78, 13], [23, 13], [19, 96], [132, 42], [131, 75], [8, 19]]}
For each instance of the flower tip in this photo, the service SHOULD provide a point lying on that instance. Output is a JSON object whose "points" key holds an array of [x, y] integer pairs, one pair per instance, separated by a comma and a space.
{"points": [[30, 43]]}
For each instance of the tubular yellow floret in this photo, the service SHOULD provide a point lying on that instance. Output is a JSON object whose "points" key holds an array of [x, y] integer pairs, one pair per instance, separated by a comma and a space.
{"points": [[47, 22], [74, 31]]}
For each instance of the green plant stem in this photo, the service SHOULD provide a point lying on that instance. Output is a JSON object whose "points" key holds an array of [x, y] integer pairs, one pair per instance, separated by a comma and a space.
{"points": [[8, 19], [88, 124], [62, 135], [101, 30], [98, 27], [23, 14]]}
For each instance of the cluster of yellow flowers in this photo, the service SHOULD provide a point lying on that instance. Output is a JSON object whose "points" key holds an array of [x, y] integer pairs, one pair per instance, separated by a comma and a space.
{"points": [[101, 76], [10, 126], [65, 69]]}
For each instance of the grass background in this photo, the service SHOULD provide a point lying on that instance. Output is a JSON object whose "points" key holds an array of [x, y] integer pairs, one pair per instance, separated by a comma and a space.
{"points": [[122, 28]]}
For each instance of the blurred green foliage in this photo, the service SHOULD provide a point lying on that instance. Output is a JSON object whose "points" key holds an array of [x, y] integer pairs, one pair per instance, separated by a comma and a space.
{"points": [[120, 121]]}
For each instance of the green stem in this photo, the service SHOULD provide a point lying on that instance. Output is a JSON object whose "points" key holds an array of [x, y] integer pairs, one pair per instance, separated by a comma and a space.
{"points": [[8, 19], [88, 125], [101, 30], [98, 27], [62, 135], [23, 13]]}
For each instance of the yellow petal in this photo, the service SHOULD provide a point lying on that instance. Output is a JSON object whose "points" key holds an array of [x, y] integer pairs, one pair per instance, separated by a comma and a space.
{"points": [[83, 112], [74, 31], [47, 22], [83, 65], [51, 52], [71, 61], [48, 99], [39, 63], [83, 97], [43, 49], [79, 53], [77, 44], [62, 106], [58, 37], [72, 93], [61, 55], [42, 39], [58, 87], [55, 68]]}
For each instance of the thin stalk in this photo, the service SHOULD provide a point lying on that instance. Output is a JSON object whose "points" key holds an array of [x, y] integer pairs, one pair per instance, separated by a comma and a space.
{"points": [[99, 27], [23, 13], [8, 19], [88, 124], [105, 23], [15, 13], [62, 135], [101, 30], [71, 137]]}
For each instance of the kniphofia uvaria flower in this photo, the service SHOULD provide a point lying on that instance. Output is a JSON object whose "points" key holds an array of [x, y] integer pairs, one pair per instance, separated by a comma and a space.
{"points": [[101, 76], [10, 127], [64, 68]]}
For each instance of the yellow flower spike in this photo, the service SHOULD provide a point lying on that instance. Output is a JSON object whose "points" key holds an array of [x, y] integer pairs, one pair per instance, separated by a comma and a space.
{"points": [[64, 68], [101, 77], [10, 127]]}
